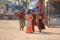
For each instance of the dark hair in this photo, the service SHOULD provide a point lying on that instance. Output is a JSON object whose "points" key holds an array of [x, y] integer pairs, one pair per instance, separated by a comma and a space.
{"points": [[33, 11], [28, 12], [40, 10], [1, 7]]}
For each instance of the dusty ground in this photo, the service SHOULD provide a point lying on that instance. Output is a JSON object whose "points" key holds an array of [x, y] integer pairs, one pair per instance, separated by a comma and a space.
{"points": [[9, 30]]}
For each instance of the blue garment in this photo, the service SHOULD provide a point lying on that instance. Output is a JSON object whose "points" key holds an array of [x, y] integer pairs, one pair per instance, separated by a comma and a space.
{"points": [[23, 20], [31, 10], [32, 7]]}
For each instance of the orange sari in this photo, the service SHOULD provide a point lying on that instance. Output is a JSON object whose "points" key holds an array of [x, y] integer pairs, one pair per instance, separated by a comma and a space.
{"points": [[28, 23]]}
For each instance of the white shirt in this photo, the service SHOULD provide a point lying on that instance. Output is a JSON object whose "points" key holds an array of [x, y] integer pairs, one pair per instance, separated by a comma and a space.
{"points": [[2, 11]]}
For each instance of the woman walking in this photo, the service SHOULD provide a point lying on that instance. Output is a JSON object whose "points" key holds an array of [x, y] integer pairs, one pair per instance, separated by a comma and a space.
{"points": [[28, 23], [34, 20], [21, 16], [40, 17]]}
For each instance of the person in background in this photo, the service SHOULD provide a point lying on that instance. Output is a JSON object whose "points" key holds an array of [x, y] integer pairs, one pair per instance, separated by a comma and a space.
{"points": [[1, 13], [32, 6], [39, 5], [28, 23]]}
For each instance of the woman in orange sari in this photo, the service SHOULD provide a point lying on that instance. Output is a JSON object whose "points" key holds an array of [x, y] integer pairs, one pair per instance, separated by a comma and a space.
{"points": [[28, 23]]}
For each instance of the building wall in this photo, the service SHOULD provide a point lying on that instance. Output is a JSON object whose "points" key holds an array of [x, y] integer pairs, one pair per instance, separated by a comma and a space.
{"points": [[54, 12]]}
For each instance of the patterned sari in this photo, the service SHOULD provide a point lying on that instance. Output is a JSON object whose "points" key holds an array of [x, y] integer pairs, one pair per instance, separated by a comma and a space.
{"points": [[40, 23], [28, 23]]}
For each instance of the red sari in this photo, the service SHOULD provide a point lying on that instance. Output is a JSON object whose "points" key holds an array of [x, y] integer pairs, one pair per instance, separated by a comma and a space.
{"points": [[33, 21], [40, 23]]}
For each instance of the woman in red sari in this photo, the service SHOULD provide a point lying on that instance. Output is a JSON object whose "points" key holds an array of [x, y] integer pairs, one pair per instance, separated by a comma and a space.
{"points": [[40, 17], [34, 20], [28, 23]]}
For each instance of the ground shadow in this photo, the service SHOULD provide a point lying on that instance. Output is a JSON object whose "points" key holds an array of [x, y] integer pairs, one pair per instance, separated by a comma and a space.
{"points": [[47, 33]]}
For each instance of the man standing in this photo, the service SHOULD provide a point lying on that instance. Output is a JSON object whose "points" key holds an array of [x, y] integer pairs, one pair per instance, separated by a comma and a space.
{"points": [[2, 13]]}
